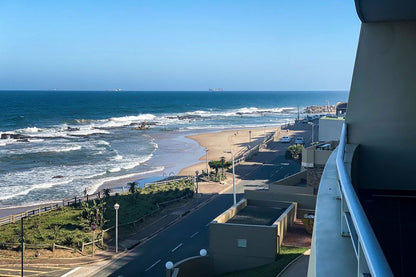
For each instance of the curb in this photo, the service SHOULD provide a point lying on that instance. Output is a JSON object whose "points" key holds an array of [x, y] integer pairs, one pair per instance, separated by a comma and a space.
{"points": [[292, 262], [68, 264]]}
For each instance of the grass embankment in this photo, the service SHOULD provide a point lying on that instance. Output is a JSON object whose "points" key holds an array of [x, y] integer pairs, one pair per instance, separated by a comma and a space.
{"points": [[67, 226], [286, 255]]}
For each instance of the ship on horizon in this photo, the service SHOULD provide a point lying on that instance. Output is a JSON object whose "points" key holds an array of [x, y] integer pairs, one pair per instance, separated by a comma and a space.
{"points": [[216, 89]]}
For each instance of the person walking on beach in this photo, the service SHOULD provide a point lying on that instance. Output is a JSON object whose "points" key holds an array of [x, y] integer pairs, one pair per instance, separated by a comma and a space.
{"points": [[85, 192]]}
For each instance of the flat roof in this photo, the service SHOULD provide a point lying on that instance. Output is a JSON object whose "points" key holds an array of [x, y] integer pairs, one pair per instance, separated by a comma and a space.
{"points": [[333, 118], [255, 215]]}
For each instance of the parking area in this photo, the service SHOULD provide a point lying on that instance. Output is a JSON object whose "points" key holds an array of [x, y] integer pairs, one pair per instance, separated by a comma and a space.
{"points": [[15, 271]]}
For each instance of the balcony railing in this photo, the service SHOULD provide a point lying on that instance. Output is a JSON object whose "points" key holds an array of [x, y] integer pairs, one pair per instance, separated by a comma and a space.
{"points": [[354, 222]]}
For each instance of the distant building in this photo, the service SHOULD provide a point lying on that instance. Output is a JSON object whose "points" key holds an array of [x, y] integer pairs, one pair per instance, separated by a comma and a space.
{"points": [[330, 128], [341, 108]]}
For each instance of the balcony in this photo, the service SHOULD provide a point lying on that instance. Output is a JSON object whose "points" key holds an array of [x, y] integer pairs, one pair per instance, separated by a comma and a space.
{"points": [[343, 243]]}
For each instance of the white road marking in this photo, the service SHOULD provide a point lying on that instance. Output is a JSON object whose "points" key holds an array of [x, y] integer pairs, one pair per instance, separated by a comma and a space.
{"points": [[176, 248], [70, 272], [194, 234], [150, 267], [208, 224]]}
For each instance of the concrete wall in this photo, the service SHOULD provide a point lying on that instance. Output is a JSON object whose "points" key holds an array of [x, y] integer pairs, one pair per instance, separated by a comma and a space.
{"points": [[330, 129], [239, 246], [313, 177], [313, 156], [381, 109], [291, 180], [290, 189], [262, 246], [304, 201], [232, 211], [192, 267]]}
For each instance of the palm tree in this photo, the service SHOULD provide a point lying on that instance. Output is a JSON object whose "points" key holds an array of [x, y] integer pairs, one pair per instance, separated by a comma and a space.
{"points": [[132, 187], [106, 192]]}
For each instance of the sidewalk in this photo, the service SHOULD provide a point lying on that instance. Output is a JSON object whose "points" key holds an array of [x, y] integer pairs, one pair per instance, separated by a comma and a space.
{"points": [[170, 217], [298, 268]]}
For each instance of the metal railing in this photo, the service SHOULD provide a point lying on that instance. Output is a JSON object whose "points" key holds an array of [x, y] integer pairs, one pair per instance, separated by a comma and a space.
{"points": [[354, 222]]}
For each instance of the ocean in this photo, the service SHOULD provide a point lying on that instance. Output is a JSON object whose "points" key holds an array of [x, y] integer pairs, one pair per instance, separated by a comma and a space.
{"points": [[55, 144]]}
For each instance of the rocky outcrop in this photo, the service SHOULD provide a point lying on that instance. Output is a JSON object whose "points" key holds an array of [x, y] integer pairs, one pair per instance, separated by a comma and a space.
{"points": [[320, 109]]}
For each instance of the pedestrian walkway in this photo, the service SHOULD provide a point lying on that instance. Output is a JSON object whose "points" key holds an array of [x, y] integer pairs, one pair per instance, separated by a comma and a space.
{"points": [[299, 268]]}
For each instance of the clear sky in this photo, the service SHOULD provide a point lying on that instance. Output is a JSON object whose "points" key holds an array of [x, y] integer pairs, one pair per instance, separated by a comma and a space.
{"points": [[177, 45]]}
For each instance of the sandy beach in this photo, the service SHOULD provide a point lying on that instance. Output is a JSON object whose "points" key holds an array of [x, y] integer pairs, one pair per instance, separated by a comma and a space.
{"points": [[184, 161], [230, 140]]}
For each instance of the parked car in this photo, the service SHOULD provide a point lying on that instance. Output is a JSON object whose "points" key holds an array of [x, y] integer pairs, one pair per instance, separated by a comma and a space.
{"points": [[285, 139], [299, 140]]}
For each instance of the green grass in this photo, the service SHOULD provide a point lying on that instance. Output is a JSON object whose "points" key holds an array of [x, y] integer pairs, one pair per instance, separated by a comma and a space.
{"points": [[135, 206], [66, 226], [286, 255]]}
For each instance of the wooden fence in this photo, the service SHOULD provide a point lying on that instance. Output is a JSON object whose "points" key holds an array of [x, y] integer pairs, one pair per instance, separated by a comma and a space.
{"points": [[69, 202]]}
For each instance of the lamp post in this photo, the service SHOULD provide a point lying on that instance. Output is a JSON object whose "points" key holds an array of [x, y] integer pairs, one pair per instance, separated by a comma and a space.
{"points": [[234, 196], [249, 136], [22, 243], [313, 127], [206, 160], [196, 184], [116, 207]]}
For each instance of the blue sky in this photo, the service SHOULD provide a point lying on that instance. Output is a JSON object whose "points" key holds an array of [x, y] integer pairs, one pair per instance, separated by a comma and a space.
{"points": [[177, 45]]}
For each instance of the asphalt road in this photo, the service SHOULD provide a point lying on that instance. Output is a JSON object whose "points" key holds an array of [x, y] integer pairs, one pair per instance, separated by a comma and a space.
{"points": [[189, 236], [32, 270], [180, 241]]}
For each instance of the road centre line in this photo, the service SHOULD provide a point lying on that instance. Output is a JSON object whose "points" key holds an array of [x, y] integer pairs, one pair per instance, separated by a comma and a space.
{"points": [[194, 234], [176, 248], [150, 267], [70, 272]]}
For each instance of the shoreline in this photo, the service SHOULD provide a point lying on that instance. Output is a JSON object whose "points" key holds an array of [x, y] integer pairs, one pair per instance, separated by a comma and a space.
{"points": [[190, 150]]}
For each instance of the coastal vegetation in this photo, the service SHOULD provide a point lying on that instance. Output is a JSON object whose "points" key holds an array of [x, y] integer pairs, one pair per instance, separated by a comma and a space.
{"points": [[220, 164], [294, 152], [70, 226]]}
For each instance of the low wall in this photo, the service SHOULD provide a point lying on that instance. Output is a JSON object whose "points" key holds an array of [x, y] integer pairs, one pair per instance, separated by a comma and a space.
{"points": [[239, 246], [285, 220], [290, 189], [193, 266], [304, 201], [225, 216], [291, 180]]}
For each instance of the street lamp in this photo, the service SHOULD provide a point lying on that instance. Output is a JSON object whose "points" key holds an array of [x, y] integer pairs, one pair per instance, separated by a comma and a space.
{"points": [[196, 183], [313, 127], [235, 198], [203, 252], [116, 207], [206, 160]]}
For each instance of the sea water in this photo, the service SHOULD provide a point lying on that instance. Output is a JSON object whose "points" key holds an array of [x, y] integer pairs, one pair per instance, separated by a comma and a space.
{"points": [[57, 143]]}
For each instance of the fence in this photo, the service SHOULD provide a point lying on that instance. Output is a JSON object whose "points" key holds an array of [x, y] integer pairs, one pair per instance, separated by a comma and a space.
{"points": [[246, 153], [72, 201]]}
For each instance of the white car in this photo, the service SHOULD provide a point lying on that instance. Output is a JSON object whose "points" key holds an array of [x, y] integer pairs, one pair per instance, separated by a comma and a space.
{"points": [[299, 140], [285, 139]]}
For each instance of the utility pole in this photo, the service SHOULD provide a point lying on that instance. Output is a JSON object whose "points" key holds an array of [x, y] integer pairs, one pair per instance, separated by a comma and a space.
{"points": [[206, 160], [22, 242], [298, 112]]}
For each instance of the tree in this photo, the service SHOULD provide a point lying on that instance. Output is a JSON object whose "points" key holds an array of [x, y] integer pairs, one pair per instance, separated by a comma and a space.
{"points": [[132, 187], [294, 152], [93, 211], [217, 165], [107, 192]]}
